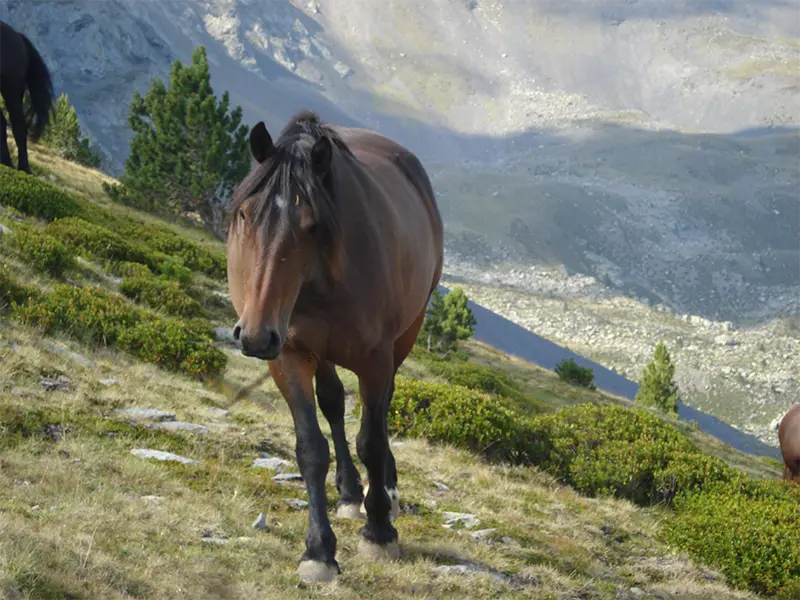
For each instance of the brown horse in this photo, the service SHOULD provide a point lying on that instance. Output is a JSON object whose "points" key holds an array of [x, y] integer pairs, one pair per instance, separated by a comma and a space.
{"points": [[789, 437], [21, 66], [334, 247]]}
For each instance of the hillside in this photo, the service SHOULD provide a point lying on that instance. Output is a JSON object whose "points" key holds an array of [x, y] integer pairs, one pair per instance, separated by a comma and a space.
{"points": [[601, 153], [83, 514]]}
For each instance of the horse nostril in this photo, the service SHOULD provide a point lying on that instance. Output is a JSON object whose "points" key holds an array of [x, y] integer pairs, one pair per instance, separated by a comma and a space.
{"points": [[237, 332], [274, 339]]}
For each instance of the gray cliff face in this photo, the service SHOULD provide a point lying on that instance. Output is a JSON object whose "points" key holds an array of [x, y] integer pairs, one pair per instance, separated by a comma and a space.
{"points": [[632, 141]]}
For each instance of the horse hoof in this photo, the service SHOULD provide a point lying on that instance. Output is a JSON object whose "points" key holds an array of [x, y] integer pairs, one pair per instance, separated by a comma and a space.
{"points": [[390, 551], [394, 497], [349, 511], [316, 571]]}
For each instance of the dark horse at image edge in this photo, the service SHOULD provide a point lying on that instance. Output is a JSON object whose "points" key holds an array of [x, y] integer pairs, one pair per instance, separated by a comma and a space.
{"points": [[21, 67], [789, 438], [335, 245]]}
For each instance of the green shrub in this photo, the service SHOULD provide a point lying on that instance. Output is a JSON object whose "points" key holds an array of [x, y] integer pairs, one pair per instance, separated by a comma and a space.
{"points": [[477, 377], [168, 241], [162, 295], [628, 453], [573, 373], [41, 250], [92, 315], [35, 197], [99, 242], [599, 450], [171, 345], [129, 269], [459, 416], [173, 269], [749, 530]]}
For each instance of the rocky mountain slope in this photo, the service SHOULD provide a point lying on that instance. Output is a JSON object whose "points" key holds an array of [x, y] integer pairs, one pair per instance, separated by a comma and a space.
{"points": [[705, 223]]}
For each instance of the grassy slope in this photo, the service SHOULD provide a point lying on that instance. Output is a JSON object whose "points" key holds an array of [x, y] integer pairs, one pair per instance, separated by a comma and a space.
{"points": [[77, 519]]}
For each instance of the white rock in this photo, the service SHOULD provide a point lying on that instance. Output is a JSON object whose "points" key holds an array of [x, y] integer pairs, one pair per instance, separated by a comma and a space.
{"points": [[272, 462], [145, 414], [161, 455], [260, 522]]}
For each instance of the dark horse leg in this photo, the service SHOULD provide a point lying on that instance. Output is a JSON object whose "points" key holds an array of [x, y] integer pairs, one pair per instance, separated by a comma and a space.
{"points": [[18, 127], [5, 153], [402, 347], [390, 477], [330, 396], [293, 374], [378, 536]]}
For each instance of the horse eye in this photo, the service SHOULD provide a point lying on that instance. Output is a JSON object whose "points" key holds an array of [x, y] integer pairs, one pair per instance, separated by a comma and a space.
{"points": [[241, 214]]}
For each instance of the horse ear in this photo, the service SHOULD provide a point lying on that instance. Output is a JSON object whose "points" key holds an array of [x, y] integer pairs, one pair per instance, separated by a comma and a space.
{"points": [[260, 142], [321, 155]]}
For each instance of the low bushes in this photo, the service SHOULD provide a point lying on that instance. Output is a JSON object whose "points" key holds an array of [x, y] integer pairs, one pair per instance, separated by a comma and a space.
{"points": [[163, 239], [92, 315], [161, 294], [474, 376], [598, 450], [37, 198], [99, 242], [34, 197], [628, 453], [41, 250], [459, 416], [129, 269], [749, 530]]}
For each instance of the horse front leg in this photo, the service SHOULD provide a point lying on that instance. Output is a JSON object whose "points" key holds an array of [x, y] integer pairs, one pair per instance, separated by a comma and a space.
{"points": [[330, 396], [378, 536], [293, 375]]}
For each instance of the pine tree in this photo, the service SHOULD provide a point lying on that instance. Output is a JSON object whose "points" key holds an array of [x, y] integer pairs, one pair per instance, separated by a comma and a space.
{"points": [[447, 321], [657, 386], [431, 331], [188, 151], [63, 135]]}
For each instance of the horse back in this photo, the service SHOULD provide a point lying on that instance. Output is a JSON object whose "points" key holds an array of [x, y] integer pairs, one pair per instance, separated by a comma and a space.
{"points": [[399, 221], [13, 56]]}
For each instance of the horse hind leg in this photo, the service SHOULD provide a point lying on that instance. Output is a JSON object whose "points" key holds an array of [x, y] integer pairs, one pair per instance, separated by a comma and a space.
{"points": [[330, 396], [5, 153], [378, 536], [402, 347], [390, 476], [17, 117]]}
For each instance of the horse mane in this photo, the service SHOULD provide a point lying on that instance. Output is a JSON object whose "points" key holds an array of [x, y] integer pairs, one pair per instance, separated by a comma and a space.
{"points": [[290, 164]]}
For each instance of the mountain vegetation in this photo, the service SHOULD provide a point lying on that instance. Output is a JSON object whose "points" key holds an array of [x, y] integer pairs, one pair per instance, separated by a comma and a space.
{"points": [[130, 467]]}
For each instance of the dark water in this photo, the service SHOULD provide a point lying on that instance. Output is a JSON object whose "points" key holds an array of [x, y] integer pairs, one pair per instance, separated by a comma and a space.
{"points": [[508, 337]]}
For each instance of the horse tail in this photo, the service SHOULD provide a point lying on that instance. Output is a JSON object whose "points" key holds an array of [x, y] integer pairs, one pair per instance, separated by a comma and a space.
{"points": [[40, 86]]}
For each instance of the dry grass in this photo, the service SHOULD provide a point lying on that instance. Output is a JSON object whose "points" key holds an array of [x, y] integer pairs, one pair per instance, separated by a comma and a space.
{"points": [[77, 523]]}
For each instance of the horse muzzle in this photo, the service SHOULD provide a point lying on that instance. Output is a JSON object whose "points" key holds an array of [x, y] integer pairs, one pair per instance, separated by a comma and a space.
{"points": [[265, 344]]}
